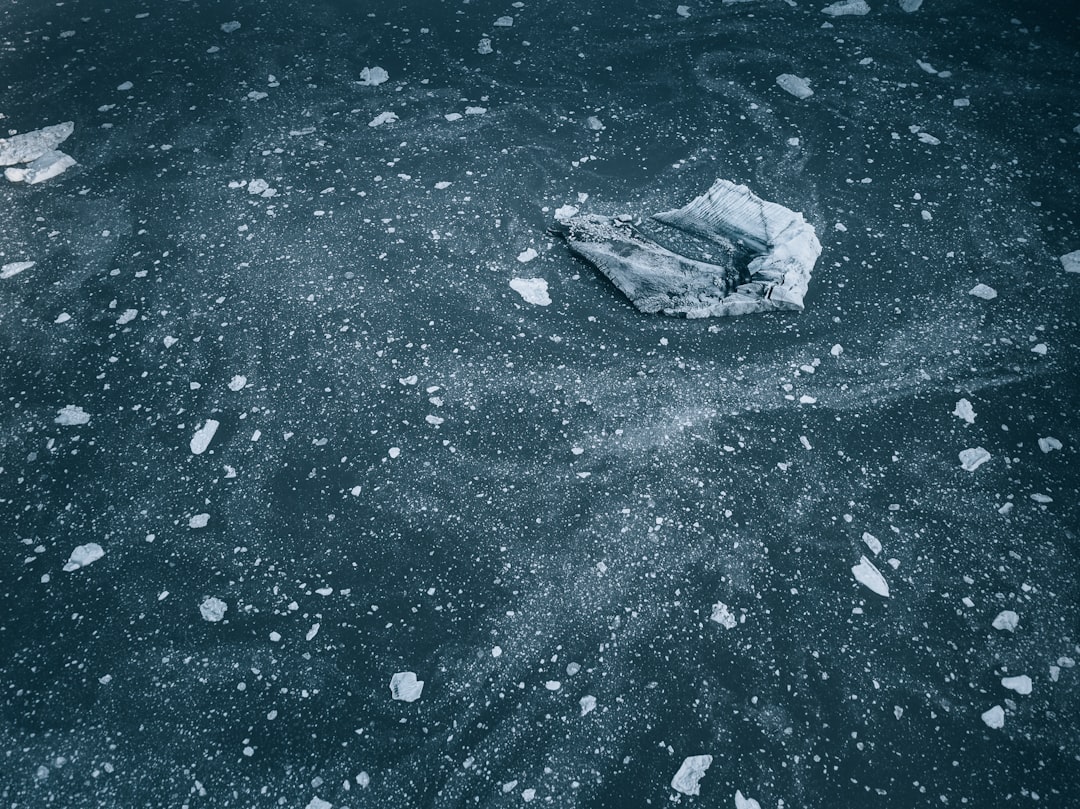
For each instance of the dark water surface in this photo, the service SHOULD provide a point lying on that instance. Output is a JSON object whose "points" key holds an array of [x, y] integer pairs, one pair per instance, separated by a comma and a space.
{"points": [[599, 479]]}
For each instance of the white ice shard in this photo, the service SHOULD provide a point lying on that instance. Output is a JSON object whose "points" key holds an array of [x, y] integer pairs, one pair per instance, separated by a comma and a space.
{"points": [[71, 416], [14, 268], [742, 802], [532, 290], [994, 718], [405, 687], [31, 145], [203, 436], [383, 118], [795, 85], [1006, 620], [690, 773], [49, 165], [1049, 444], [1071, 261], [373, 76], [846, 8], [987, 293], [910, 5], [722, 615], [84, 555], [964, 411], [728, 218], [872, 542], [868, 575], [1021, 684], [972, 459], [587, 703], [213, 609]]}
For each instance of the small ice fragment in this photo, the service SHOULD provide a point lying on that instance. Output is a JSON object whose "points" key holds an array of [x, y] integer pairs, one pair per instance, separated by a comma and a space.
{"points": [[961, 102], [552, 685], [258, 187], [71, 416], [929, 68], [127, 316], [972, 459], [441, 185], [213, 609], [237, 383], [383, 118], [1020, 684], [565, 211], [373, 76], [1039, 348], [528, 795], [30, 146], [475, 110], [434, 420], [926, 137], [722, 615], [49, 165], [199, 520], [682, 11], [14, 268], [484, 47], [910, 5], [872, 542], [83, 555], [588, 704], [229, 27], [311, 633], [405, 687], [504, 22], [1006, 620], [452, 116], [964, 411], [203, 436], [532, 290], [125, 86], [1049, 444], [1071, 261], [318, 803], [256, 95], [742, 802], [869, 576], [836, 350], [496, 651], [690, 773], [847, 7], [527, 255], [983, 291], [994, 718], [509, 787], [795, 85], [394, 452], [1042, 498], [594, 123], [63, 317], [805, 442]]}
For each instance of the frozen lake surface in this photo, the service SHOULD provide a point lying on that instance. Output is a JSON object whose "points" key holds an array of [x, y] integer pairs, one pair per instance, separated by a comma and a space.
{"points": [[301, 399]]}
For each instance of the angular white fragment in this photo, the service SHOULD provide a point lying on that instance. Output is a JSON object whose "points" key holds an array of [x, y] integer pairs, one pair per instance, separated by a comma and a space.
{"points": [[496, 651], [442, 184], [690, 773], [847, 7], [836, 350], [71, 416], [31, 145], [972, 459], [83, 555], [805, 442], [509, 787], [63, 317], [872, 542], [484, 46], [1006, 620], [203, 436], [237, 383], [1042, 498], [229, 27], [405, 687], [49, 165], [983, 291], [528, 795], [373, 76], [127, 316], [1071, 261], [926, 137], [964, 411], [1021, 684], [504, 22], [869, 576], [565, 211], [527, 255], [383, 118], [723, 616], [552, 685], [595, 124], [910, 5], [14, 268], [318, 803], [994, 718], [587, 703], [311, 633], [453, 116], [475, 110], [682, 11], [434, 420], [742, 802], [795, 85], [532, 290], [199, 520], [213, 609], [1049, 444], [1040, 349]]}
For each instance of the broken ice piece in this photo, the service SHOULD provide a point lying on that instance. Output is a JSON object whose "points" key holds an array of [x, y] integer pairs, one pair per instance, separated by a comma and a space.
{"points": [[71, 416], [847, 7], [1071, 261], [504, 22], [1021, 684], [229, 27], [910, 5], [383, 118], [199, 520], [14, 268], [964, 411], [722, 615], [527, 255], [742, 802], [319, 803], [44, 168], [237, 383], [795, 85], [484, 47], [31, 145], [373, 76], [983, 291], [532, 290], [1006, 620], [995, 717], [682, 11], [213, 609], [690, 773], [872, 542], [405, 687], [565, 212], [972, 459], [83, 555], [203, 436], [588, 704], [869, 576], [1049, 444]]}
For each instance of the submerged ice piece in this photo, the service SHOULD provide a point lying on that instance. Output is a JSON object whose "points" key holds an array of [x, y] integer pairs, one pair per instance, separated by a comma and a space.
{"points": [[656, 279]]}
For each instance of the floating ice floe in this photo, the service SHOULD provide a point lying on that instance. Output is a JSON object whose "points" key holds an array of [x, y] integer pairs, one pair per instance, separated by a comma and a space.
{"points": [[847, 8], [1071, 261], [504, 22], [237, 383], [532, 290], [1006, 620], [742, 802], [1021, 684], [972, 459], [405, 687], [199, 521], [983, 291], [587, 703], [203, 436], [682, 11], [722, 615], [963, 410], [71, 416], [319, 803], [14, 268], [872, 542], [732, 221], [373, 76], [910, 5], [869, 576], [484, 47], [690, 773], [229, 27], [994, 718], [29, 146], [383, 118], [527, 255], [83, 555], [213, 609], [44, 168], [795, 85], [1049, 444]]}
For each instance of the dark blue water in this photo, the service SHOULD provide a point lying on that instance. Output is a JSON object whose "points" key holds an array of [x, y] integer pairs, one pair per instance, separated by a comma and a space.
{"points": [[599, 478]]}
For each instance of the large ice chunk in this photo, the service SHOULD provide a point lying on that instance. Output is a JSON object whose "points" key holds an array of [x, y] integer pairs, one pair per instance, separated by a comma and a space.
{"points": [[405, 687], [742, 802], [687, 779], [729, 218], [203, 436], [45, 167], [972, 459], [795, 85], [31, 145], [84, 555], [846, 8], [1071, 261], [868, 575]]}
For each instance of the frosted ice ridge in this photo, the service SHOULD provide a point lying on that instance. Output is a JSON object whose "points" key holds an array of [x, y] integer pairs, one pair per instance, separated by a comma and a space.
{"points": [[657, 280]]}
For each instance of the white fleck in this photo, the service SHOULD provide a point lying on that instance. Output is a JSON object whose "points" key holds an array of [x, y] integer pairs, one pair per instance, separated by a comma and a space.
{"points": [[199, 520], [995, 717], [83, 555], [203, 436], [1006, 620], [71, 416], [690, 773], [213, 609], [869, 576], [972, 459], [405, 687], [532, 290], [983, 291]]}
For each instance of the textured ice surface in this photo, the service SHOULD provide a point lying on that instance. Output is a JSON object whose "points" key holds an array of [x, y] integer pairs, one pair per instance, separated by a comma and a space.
{"points": [[869, 576], [84, 555], [972, 459], [71, 416], [532, 290], [14, 268], [405, 687], [213, 609], [994, 718], [31, 145], [795, 85], [203, 436], [1006, 620], [691, 771], [48, 165], [1071, 261], [846, 8]]}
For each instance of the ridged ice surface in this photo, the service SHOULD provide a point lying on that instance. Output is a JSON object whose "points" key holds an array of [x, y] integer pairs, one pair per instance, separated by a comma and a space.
{"points": [[32, 145]]}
